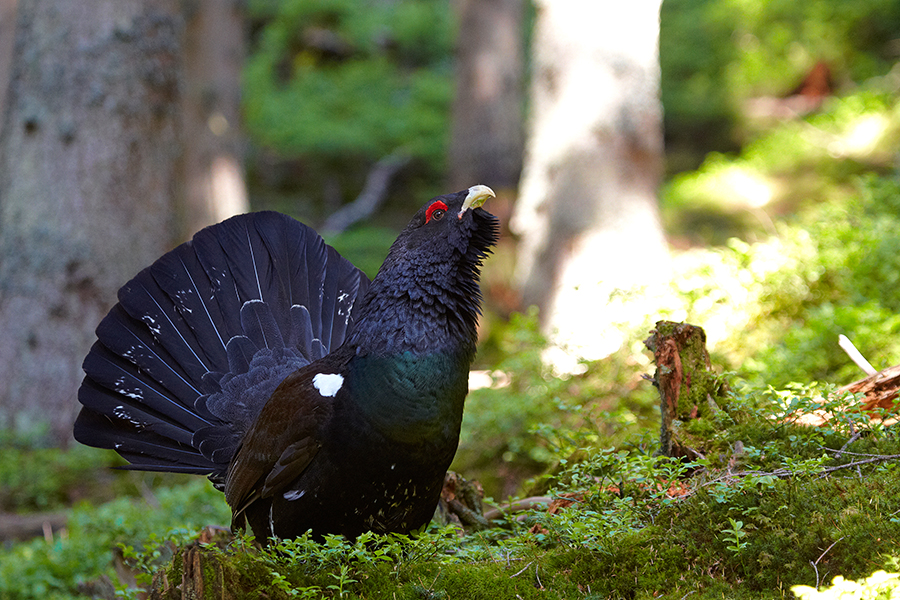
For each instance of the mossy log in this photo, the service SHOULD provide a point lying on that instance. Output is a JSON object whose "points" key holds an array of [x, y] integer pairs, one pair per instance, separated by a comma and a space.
{"points": [[689, 389]]}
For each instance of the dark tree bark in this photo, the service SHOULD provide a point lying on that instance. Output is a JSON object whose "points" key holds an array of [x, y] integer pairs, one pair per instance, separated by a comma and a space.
{"points": [[90, 146], [487, 136], [7, 38], [213, 166], [587, 211]]}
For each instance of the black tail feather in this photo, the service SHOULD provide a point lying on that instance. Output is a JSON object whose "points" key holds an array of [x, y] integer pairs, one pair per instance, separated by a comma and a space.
{"points": [[338, 296], [136, 344], [144, 300], [135, 388], [127, 429], [195, 300], [303, 267], [199, 340], [259, 325]]}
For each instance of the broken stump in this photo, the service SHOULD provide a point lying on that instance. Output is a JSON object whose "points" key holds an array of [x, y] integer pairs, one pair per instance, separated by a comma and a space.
{"points": [[689, 389]]}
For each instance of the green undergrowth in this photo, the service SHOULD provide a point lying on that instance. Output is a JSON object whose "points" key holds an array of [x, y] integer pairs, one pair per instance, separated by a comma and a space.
{"points": [[767, 504], [84, 551], [805, 236], [517, 427], [34, 478], [637, 528]]}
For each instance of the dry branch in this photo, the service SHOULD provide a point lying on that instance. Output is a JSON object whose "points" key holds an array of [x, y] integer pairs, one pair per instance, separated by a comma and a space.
{"points": [[370, 198]]}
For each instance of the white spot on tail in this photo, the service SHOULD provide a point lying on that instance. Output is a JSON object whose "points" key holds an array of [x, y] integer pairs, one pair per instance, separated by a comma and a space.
{"points": [[328, 384], [151, 324], [294, 494], [120, 413]]}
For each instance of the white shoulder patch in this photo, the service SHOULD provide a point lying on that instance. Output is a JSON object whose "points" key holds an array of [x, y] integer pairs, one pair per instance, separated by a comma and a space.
{"points": [[328, 384]]}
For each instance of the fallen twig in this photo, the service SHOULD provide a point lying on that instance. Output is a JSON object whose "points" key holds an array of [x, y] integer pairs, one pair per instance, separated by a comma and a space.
{"points": [[815, 564], [857, 463], [784, 473], [517, 506], [522, 571]]}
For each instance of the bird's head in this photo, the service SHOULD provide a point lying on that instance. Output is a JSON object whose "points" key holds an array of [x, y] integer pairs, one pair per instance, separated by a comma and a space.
{"points": [[449, 224], [433, 267], [445, 241]]}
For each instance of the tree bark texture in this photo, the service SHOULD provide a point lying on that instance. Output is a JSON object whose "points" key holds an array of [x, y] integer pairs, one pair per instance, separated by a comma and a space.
{"points": [[587, 212], [90, 182], [213, 166], [486, 137], [7, 38], [688, 387]]}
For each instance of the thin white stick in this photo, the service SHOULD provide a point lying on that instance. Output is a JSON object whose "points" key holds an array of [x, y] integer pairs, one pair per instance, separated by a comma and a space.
{"points": [[860, 360]]}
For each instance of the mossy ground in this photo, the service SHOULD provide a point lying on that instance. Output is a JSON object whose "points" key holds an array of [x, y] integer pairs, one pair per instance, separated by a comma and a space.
{"points": [[788, 526], [787, 512]]}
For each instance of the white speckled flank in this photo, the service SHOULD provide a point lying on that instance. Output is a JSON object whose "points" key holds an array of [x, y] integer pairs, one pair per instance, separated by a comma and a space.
{"points": [[328, 384]]}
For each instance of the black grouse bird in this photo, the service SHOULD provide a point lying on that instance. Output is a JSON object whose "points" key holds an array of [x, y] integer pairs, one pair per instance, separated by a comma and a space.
{"points": [[259, 356]]}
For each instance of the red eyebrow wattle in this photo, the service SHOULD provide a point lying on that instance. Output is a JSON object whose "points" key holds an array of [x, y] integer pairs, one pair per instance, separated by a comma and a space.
{"points": [[437, 205]]}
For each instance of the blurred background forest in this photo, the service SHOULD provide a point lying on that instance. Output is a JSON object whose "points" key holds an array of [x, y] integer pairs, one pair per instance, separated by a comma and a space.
{"points": [[772, 171]]}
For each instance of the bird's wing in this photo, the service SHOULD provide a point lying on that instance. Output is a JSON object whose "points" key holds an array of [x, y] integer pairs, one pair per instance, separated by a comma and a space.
{"points": [[281, 443]]}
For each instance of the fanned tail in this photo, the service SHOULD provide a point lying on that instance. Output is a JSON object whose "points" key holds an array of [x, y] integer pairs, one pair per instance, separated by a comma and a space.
{"points": [[200, 339]]}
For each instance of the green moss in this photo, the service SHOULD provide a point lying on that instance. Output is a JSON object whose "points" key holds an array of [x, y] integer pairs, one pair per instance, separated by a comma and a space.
{"points": [[493, 580], [791, 524]]}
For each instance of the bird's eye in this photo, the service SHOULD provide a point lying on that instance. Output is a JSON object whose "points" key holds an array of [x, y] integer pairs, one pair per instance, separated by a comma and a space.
{"points": [[436, 211]]}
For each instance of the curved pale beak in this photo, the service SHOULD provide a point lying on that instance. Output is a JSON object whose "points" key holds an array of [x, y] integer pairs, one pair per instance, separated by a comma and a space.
{"points": [[477, 196]]}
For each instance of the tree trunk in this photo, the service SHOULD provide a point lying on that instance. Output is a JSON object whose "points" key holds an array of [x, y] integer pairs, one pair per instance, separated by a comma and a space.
{"points": [[587, 212], [7, 38], [213, 166], [486, 136], [90, 146]]}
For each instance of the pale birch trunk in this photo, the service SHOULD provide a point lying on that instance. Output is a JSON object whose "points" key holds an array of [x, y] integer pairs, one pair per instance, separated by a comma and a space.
{"points": [[591, 241]]}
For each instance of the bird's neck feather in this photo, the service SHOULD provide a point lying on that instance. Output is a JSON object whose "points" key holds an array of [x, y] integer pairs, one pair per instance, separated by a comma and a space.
{"points": [[418, 313]]}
